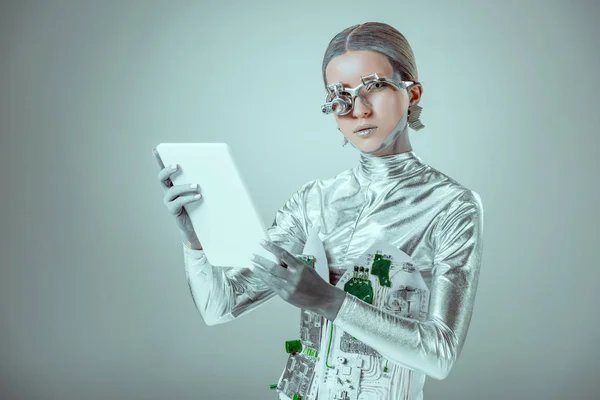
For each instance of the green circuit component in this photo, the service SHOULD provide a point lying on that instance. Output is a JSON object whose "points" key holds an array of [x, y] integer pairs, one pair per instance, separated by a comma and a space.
{"points": [[381, 268], [307, 259], [310, 352], [273, 386], [293, 346], [360, 287], [297, 397]]}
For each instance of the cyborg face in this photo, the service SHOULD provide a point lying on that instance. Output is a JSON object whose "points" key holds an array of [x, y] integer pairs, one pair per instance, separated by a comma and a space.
{"points": [[340, 101]]}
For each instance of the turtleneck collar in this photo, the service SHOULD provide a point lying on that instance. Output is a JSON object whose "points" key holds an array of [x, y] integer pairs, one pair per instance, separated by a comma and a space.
{"points": [[388, 167]]}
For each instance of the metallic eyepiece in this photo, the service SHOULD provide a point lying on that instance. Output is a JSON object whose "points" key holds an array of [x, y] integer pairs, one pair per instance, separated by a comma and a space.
{"points": [[340, 100], [340, 105]]}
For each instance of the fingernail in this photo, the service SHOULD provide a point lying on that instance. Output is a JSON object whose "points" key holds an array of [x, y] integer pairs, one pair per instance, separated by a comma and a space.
{"points": [[174, 167], [252, 257], [263, 242], [193, 186]]}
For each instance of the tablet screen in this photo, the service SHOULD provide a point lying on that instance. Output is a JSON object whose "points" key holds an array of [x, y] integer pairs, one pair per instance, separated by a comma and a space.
{"points": [[225, 219]]}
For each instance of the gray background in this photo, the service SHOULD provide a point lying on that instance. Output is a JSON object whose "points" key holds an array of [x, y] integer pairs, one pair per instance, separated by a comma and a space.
{"points": [[94, 303]]}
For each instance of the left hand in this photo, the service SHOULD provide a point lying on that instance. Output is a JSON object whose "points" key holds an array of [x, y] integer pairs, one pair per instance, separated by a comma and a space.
{"points": [[297, 283]]}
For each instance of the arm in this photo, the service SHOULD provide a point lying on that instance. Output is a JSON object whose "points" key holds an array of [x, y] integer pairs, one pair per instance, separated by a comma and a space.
{"points": [[431, 346], [222, 294]]}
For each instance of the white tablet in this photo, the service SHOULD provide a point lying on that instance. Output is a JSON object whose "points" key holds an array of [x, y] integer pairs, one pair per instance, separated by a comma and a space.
{"points": [[225, 218]]}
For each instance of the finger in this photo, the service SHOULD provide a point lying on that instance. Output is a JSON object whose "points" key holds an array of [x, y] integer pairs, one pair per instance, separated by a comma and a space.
{"points": [[175, 198], [270, 267], [268, 278], [158, 159], [179, 190], [282, 254], [175, 207], [164, 176]]}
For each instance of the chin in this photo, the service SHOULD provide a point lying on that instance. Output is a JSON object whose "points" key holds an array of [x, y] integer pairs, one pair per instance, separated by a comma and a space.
{"points": [[369, 145]]}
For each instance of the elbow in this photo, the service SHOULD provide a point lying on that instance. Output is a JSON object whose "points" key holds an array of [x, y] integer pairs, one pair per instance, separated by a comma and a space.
{"points": [[217, 321], [444, 362], [211, 318], [208, 321], [209, 315], [436, 368], [446, 354], [441, 372]]}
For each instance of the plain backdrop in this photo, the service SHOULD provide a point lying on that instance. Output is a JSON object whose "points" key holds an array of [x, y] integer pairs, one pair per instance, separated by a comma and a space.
{"points": [[94, 301]]}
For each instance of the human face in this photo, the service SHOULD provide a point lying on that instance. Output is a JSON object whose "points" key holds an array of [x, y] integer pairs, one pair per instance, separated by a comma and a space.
{"points": [[387, 105]]}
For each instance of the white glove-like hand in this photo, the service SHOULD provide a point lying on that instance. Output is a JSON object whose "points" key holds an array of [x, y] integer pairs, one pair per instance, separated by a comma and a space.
{"points": [[176, 196]]}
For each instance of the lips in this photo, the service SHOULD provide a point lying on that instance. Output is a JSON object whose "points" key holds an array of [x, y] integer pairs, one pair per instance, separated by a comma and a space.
{"points": [[365, 132], [364, 128]]}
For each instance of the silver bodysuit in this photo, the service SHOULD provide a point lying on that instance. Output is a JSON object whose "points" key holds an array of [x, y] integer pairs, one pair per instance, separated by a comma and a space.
{"points": [[412, 207]]}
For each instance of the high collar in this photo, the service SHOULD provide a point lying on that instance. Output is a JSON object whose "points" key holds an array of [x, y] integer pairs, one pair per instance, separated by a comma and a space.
{"points": [[393, 166]]}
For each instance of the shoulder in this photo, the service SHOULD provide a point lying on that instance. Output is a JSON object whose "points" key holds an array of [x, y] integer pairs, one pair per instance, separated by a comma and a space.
{"points": [[318, 185], [452, 192]]}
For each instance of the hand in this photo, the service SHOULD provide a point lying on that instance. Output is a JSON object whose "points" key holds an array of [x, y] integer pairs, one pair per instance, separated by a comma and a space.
{"points": [[297, 283], [175, 198]]}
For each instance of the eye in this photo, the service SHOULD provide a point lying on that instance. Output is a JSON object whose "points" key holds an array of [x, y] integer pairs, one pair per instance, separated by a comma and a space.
{"points": [[375, 86]]}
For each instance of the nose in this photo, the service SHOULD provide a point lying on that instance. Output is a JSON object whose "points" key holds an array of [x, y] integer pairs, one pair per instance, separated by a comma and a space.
{"points": [[360, 110]]}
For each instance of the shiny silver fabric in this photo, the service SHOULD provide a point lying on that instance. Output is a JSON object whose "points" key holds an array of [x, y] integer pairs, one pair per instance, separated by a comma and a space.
{"points": [[398, 199]]}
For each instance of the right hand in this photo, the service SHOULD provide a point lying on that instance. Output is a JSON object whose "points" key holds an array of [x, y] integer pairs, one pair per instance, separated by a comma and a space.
{"points": [[176, 196]]}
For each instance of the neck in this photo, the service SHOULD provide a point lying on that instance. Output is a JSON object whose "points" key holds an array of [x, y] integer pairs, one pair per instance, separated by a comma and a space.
{"points": [[401, 145], [393, 166]]}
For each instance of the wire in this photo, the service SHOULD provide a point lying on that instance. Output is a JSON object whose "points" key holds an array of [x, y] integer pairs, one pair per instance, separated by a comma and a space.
{"points": [[329, 347]]}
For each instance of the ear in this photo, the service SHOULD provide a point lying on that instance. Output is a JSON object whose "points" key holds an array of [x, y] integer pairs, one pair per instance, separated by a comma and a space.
{"points": [[415, 92]]}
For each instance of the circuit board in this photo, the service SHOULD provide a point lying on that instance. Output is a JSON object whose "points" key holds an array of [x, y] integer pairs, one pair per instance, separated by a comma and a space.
{"points": [[296, 380]]}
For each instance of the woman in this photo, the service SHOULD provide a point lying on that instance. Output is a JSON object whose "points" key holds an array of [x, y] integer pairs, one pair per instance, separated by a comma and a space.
{"points": [[373, 93]]}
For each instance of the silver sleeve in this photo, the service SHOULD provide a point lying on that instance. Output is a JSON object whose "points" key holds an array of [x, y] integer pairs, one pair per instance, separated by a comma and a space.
{"points": [[222, 294], [431, 346]]}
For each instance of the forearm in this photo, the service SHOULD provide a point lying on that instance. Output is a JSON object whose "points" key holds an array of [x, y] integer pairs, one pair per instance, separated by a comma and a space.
{"points": [[222, 294], [332, 303], [225, 293], [420, 345], [431, 346], [196, 246], [192, 243]]}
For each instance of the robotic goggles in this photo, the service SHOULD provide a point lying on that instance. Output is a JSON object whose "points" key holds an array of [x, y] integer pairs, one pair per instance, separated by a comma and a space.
{"points": [[340, 100]]}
